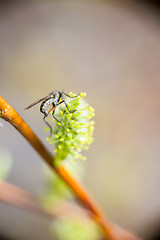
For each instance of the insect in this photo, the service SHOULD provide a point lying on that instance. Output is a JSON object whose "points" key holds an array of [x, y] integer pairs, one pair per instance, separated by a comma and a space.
{"points": [[55, 98]]}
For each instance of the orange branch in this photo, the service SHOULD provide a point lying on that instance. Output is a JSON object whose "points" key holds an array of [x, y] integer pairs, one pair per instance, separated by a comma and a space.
{"points": [[111, 231]]}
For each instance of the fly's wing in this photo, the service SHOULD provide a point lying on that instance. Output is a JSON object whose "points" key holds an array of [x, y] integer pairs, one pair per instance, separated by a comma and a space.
{"points": [[34, 103]]}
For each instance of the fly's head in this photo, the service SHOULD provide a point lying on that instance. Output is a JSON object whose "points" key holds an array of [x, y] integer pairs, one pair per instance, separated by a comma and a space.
{"points": [[55, 94]]}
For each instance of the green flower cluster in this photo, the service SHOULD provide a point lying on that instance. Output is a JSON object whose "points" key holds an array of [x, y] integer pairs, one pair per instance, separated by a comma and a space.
{"points": [[78, 131]]}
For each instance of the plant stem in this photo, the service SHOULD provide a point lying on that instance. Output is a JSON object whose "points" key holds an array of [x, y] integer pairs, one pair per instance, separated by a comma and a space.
{"points": [[111, 231], [20, 198], [16, 196]]}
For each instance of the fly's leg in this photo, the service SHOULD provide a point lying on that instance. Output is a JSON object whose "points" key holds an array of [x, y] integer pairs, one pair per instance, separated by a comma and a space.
{"points": [[70, 96], [66, 103], [66, 106], [57, 119], [63, 101], [44, 119]]}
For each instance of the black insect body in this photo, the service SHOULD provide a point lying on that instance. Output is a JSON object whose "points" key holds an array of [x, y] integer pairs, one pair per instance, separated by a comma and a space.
{"points": [[52, 99]]}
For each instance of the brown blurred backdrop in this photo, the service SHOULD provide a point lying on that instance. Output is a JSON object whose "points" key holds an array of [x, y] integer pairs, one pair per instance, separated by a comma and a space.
{"points": [[111, 50]]}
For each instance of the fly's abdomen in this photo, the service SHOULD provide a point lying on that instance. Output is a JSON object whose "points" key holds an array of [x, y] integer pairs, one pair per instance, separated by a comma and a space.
{"points": [[45, 104]]}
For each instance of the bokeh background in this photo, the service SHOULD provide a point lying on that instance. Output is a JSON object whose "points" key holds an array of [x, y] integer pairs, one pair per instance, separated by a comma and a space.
{"points": [[111, 50]]}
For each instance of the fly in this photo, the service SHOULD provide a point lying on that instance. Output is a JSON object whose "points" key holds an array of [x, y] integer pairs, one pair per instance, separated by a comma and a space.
{"points": [[54, 99]]}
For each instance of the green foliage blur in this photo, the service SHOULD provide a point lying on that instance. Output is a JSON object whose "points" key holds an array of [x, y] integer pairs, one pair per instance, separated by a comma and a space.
{"points": [[75, 228], [70, 225], [5, 163]]}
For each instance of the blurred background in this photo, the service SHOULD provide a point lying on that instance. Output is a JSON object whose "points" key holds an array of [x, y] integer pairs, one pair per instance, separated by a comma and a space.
{"points": [[111, 51]]}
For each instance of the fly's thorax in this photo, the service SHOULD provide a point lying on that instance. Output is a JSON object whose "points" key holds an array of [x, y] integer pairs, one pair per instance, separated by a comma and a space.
{"points": [[56, 95]]}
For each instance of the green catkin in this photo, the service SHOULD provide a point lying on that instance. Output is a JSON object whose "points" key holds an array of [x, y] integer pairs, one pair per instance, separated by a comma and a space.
{"points": [[79, 126]]}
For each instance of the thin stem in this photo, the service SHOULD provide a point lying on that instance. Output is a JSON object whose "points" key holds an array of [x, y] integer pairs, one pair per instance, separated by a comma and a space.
{"points": [[111, 231], [20, 198], [16, 196]]}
